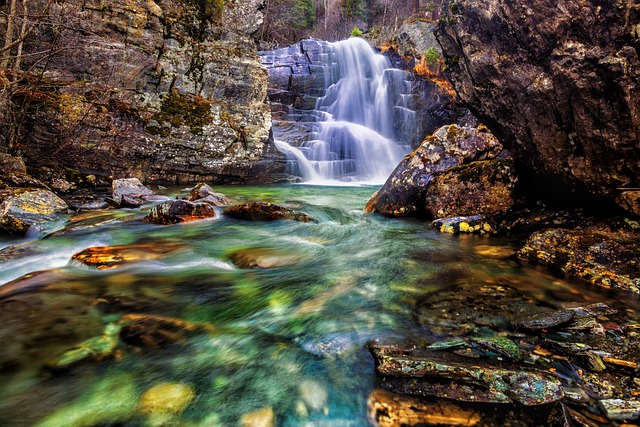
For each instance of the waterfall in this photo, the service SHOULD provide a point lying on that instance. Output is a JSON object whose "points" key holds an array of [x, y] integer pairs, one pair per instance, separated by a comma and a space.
{"points": [[359, 117]]}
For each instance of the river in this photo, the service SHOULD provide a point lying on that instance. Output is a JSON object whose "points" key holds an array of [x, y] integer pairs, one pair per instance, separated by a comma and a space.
{"points": [[290, 335]]}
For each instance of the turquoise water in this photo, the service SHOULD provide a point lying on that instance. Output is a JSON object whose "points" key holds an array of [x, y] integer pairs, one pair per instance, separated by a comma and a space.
{"points": [[291, 338]]}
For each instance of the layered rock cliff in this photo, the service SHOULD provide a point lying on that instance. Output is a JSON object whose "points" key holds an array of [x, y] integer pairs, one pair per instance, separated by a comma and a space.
{"points": [[559, 82], [171, 91]]}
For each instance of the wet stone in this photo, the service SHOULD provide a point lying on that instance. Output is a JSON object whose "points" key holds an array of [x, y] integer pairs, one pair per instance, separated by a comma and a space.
{"points": [[263, 258], [150, 331], [386, 409], [621, 410], [261, 211], [466, 308], [545, 320], [95, 348], [441, 376], [204, 193], [107, 257], [264, 417], [166, 398], [177, 211], [22, 209], [129, 193], [500, 345]]}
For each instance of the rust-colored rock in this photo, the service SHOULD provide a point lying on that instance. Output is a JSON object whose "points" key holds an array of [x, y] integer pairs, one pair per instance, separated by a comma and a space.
{"points": [[177, 211], [261, 211], [107, 257]]}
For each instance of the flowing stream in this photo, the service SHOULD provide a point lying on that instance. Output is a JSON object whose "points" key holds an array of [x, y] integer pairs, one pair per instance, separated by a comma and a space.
{"points": [[289, 337]]}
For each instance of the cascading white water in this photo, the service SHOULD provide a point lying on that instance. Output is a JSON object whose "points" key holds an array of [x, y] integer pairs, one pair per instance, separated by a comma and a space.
{"points": [[356, 138]]}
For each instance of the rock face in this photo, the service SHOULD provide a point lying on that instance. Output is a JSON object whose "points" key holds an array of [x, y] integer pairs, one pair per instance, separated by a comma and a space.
{"points": [[558, 82], [171, 91], [405, 192]]}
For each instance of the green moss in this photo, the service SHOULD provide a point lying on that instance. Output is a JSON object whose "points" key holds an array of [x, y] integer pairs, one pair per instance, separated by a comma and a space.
{"points": [[183, 110]]}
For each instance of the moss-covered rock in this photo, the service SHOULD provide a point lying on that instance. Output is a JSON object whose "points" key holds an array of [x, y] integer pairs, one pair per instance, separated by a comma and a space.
{"points": [[405, 192]]}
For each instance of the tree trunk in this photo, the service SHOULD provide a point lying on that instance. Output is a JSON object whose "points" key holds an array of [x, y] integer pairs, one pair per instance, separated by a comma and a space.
{"points": [[23, 34], [8, 38]]}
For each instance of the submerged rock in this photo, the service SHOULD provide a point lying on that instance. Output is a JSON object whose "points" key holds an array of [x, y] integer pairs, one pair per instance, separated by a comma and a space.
{"points": [[598, 255], [129, 193], [544, 320], [21, 209], [263, 258], [264, 417], [107, 257], [405, 192], [111, 401], [465, 308], [166, 398], [177, 211], [95, 348], [261, 211], [150, 331]]}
